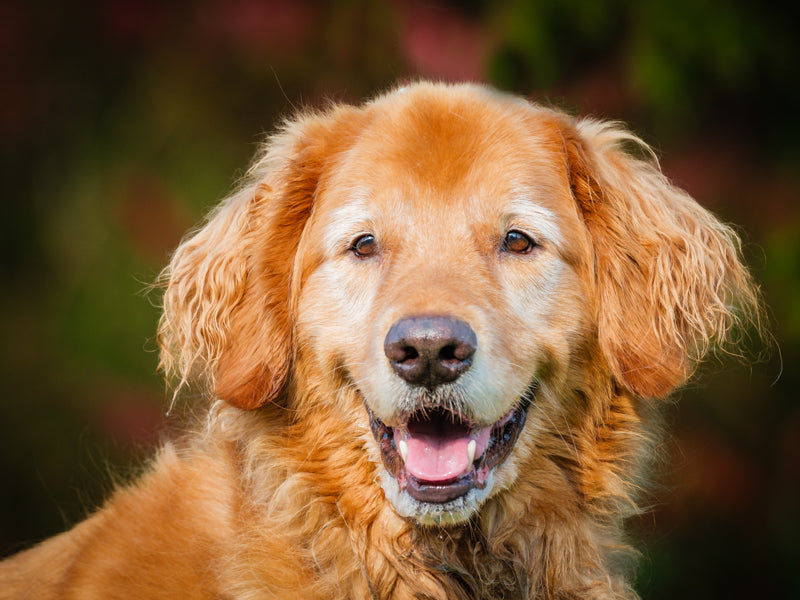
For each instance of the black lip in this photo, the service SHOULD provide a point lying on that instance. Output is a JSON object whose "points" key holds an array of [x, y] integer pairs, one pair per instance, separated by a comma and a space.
{"points": [[440, 493], [501, 443]]}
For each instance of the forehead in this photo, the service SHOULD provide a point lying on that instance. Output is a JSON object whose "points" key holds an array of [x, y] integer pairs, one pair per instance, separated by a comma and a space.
{"points": [[469, 157], [455, 146]]}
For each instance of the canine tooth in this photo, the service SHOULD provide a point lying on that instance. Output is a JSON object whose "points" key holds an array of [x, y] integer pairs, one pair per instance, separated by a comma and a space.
{"points": [[403, 447], [471, 451]]}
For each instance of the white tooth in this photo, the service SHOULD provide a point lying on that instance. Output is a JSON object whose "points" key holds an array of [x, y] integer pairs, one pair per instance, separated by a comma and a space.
{"points": [[471, 451], [403, 447]]}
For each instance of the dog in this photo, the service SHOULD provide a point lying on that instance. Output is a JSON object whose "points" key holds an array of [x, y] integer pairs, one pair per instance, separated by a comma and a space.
{"points": [[431, 333]]}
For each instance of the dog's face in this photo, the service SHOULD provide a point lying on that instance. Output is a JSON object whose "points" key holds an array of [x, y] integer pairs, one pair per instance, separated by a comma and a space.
{"points": [[444, 279], [479, 285]]}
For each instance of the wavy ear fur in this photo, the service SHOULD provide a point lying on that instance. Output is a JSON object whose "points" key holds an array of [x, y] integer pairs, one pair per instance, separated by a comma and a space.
{"points": [[226, 322], [670, 281]]}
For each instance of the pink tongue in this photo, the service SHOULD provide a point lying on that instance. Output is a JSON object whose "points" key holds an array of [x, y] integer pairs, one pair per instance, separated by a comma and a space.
{"points": [[439, 452]]}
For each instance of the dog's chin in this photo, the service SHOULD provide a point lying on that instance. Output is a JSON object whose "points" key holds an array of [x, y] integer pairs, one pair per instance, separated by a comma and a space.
{"points": [[451, 512], [438, 465]]}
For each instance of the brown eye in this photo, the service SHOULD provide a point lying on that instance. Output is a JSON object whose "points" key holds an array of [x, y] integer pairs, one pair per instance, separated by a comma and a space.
{"points": [[365, 246], [518, 243]]}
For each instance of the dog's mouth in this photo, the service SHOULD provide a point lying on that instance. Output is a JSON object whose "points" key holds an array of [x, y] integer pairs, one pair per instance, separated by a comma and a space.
{"points": [[437, 455]]}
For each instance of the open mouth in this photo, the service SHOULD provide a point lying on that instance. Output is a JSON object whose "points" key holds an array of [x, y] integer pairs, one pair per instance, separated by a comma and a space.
{"points": [[437, 455]]}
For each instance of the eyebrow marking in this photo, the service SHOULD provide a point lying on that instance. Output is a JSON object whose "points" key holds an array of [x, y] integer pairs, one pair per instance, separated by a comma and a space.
{"points": [[541, 221], [347, 220]]}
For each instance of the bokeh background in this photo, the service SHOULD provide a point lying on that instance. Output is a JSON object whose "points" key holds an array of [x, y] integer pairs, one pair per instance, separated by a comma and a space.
{"points": [[123, 121]]}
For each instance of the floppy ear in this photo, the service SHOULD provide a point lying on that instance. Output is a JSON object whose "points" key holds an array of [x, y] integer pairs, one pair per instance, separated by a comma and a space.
{"points": [[669, 279], [227, 321]]}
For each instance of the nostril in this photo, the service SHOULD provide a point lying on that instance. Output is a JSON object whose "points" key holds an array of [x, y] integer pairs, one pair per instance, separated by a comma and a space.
{"points": [[410, 353], [457, 352], [453, 355], [398, 352], [448, 353]]}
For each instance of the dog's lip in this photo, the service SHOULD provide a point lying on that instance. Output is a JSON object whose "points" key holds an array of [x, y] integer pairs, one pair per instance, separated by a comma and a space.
{"points": [[490, 446]]}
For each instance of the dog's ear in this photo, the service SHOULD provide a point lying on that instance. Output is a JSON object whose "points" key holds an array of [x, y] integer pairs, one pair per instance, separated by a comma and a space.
{"points": [[227, 321], [669, 280]]}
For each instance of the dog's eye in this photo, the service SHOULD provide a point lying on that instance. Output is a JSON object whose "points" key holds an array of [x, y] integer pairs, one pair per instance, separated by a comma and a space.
{"points": [[365, 246], [518, 243]]}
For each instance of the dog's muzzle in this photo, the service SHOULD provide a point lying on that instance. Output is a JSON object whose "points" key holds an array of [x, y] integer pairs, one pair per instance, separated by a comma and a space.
{"points": [[436, 453]]}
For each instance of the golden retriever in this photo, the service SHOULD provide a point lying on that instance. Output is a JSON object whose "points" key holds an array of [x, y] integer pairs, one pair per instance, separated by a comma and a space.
{"points": [[431, 331]]}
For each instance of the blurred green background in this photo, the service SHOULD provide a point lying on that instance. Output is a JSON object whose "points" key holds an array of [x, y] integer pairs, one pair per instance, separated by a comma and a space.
{"points": [[123, 121]]}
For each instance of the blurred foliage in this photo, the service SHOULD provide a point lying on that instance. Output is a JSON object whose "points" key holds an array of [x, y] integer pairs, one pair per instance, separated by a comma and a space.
{"points": [[123, 121]]}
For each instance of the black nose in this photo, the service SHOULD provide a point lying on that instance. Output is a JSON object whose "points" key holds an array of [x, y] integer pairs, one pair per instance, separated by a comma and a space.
{"points": [[430, 350]]}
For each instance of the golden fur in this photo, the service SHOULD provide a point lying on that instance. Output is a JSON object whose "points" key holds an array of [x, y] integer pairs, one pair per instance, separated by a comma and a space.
{"points": [[270, 315]]}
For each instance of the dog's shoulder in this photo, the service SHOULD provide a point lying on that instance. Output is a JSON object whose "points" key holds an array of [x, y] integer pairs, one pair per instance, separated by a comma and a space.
{"points": [[170, 525]]}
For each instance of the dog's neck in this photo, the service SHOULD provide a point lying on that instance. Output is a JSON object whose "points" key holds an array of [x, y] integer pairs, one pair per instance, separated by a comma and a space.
{"points": [[507, 549]]}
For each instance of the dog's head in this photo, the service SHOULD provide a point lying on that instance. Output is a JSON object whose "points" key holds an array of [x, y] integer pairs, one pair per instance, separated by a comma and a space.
{"points": [[443, 265]]}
